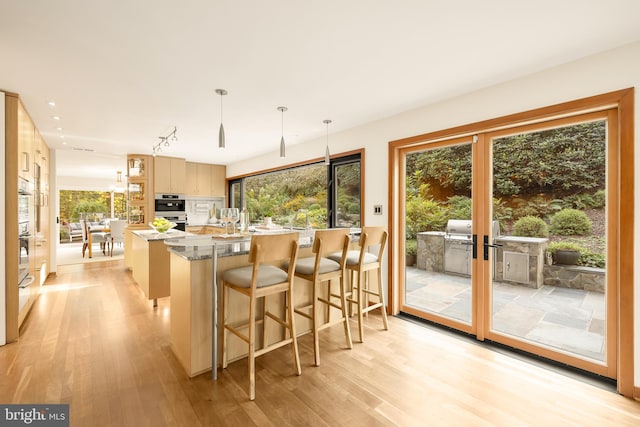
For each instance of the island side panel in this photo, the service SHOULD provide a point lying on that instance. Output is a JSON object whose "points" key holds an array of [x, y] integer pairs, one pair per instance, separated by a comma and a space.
{"points": [[140, 262], [159, 270]]}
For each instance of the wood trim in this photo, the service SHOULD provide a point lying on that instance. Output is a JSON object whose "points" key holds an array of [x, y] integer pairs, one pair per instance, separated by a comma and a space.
{"points": [[297, 164], [11, 216], [623, 100], [626, 336], [597, 102]]}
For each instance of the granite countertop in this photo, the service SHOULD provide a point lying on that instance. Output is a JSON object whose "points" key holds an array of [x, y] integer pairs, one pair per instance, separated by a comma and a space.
{"points": [[150, 235], [199, 247]]}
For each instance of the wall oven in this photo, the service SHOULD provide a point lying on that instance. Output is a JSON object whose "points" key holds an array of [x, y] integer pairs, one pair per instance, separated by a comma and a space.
{"points": [[173, 208]]}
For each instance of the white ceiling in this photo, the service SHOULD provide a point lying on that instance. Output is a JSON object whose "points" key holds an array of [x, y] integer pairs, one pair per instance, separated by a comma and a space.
{"points": [[122, 73]]}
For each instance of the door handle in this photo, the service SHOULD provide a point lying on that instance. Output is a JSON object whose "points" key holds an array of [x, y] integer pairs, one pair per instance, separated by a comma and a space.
{"points": [[487, 246]]}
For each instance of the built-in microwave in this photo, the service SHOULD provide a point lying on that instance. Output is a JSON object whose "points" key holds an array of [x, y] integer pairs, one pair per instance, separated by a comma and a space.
{"points": [[170, 203]]}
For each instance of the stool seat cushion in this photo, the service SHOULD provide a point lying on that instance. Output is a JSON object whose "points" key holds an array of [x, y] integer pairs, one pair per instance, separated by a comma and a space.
{"points": [[267, 275], [353, 257], [305, 265]]}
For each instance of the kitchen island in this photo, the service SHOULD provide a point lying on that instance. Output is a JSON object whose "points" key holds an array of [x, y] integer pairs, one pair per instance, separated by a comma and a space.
{"points": [[194, 306], [150, 262]]}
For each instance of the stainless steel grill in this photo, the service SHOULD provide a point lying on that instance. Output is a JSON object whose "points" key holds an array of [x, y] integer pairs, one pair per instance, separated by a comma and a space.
{"points": [[458, 245]]}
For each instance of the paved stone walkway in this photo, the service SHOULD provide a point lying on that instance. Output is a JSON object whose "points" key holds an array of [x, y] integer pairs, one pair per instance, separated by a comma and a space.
{"points": [[570, 320]]}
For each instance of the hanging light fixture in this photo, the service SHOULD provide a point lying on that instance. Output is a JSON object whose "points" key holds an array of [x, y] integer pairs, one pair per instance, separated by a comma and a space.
{"points": [[327, 154], [282, 147], [165, 141], [222, 93]]}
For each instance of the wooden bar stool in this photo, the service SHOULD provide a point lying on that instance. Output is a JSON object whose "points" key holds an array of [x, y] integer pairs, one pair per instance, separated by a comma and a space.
{"points": [[360, 263], [318, 270], [259, 280]]}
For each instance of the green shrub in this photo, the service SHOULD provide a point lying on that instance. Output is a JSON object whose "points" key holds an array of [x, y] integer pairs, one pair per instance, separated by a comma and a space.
{"points": [[599, 199], [459, 207], [563, 246], [425, 215], [569, 222], [411, 246], [591, 259], [530, 226]]}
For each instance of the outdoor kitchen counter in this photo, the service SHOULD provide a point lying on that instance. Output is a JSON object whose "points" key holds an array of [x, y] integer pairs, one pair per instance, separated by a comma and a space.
{"points": [[150, 262]]}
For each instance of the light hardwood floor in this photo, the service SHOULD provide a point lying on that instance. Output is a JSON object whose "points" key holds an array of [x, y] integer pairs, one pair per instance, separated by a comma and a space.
{"points": [[93, 341]]}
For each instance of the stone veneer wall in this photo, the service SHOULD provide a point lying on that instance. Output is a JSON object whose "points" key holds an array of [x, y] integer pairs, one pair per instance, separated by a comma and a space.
{"points": [[532, 246], [430, 253], [430, 257], [575, 277]]}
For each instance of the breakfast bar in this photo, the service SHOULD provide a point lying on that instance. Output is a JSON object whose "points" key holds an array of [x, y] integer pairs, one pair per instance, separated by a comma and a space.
{"points": [[196, 264]]}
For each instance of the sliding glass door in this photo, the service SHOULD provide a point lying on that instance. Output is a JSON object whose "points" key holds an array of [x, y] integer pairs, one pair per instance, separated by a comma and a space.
{"points": [[488, 221]]}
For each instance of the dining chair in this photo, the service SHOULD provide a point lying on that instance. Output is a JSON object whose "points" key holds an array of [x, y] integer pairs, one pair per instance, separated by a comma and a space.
{"points": [[116, 234], [318, 270], [360, 263], [264, 277], [89, 237]]}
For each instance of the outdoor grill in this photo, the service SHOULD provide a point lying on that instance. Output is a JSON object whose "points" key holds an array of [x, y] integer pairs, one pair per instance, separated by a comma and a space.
{"points": [[458, 246]]}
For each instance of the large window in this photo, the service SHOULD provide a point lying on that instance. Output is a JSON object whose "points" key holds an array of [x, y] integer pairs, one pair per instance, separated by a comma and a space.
{"points": [[312, 195]]}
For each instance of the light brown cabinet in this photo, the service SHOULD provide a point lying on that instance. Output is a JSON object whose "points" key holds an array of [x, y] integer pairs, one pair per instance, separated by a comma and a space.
{"points": [[204, 179], [169, 176], [26, 134], [140, 204], [25, 153]]}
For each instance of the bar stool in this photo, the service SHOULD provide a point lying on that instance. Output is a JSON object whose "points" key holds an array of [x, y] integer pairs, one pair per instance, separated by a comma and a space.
{"points": [[318, 270], [360, 263], [260, 280]]}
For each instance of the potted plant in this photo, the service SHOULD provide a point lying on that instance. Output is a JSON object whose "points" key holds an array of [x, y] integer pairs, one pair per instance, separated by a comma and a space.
{"points": [[411, 251], [565, 253]]}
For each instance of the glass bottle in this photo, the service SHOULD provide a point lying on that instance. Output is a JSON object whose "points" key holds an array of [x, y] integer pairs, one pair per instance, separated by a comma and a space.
{"points": [[244, 220]]}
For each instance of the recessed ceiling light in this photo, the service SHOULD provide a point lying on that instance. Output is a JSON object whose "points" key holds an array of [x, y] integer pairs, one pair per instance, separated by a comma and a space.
{"points": [[52, 104], [59, 129], [61, 136], [64, 143], [55, 117]]}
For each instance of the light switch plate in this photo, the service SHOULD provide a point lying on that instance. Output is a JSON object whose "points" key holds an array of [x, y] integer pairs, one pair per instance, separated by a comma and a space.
{"points": [[377, 209]]}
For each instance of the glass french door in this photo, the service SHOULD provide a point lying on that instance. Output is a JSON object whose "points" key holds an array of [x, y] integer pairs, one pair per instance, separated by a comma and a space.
{"points": [[491, 219]]}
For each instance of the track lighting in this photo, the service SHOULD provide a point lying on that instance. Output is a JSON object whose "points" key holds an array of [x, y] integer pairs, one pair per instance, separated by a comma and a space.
{"points": [[165, 141]]}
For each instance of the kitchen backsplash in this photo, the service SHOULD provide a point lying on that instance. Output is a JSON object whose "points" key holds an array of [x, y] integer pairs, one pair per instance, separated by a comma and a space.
{"points": [[203, 210]]}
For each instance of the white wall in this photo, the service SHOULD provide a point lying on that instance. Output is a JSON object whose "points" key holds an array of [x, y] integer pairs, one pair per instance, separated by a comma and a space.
{"points": [[601, 73]]}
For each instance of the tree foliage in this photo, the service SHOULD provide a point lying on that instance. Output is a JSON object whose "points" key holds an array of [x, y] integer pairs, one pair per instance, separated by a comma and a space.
{"points": [[562, 161]]}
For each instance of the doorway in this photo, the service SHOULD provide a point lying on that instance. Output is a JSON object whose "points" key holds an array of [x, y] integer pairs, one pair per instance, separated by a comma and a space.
{"points": [[488, 212]]}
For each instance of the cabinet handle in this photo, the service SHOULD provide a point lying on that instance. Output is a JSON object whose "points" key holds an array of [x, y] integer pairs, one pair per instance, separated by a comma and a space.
{"points": [[26, 161]]}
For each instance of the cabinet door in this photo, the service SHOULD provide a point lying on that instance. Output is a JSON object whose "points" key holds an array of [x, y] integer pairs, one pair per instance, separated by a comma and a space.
{"points": [[203, 179], [218, 180], [178, 176], [26, 133], [162, 175], [191, 188]]}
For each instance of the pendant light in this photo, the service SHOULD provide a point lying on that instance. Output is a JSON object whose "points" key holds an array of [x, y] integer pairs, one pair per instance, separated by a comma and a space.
{"points": [[282, 148], [222, 93], [327, 155]]}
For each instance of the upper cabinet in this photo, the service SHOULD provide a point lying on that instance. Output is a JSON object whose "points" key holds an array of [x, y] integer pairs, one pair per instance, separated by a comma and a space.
{"points": [[169, 175], [205, 179], [26, 135]]}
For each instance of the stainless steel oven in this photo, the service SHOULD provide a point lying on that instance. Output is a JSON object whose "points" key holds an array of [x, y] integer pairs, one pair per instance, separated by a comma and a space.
{"points": [[173, 208]]}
